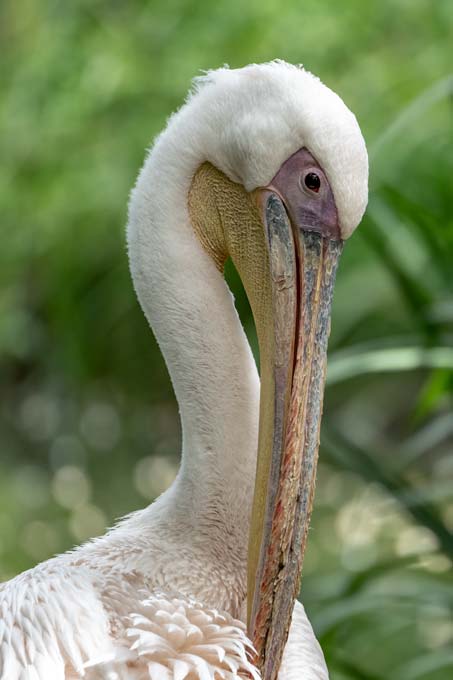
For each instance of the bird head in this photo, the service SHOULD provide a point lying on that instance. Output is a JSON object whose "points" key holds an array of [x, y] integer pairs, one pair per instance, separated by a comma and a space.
{"points": [[255, 118]]}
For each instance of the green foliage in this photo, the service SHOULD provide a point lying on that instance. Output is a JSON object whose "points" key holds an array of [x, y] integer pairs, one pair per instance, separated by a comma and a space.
{"points": [[88, 424]]}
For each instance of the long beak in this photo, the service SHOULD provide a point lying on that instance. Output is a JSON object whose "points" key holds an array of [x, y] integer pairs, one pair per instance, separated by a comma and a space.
{"points": [[293, 348], [287, 266]]}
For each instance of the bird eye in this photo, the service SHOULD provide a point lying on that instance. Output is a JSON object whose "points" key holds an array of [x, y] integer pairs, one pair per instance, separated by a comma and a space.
{"points": [[312, 181]]}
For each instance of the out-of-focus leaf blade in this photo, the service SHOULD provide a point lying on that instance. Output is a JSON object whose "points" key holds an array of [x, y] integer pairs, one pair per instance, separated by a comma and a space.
{"points": [[352, 364]]}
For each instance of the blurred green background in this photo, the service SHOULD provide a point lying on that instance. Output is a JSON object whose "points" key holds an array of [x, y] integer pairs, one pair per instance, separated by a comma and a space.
{"points": [[88, 422]]}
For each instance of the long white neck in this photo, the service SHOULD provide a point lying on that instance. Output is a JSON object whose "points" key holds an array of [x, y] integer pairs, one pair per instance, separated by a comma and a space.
{"points": [[192, 314]]}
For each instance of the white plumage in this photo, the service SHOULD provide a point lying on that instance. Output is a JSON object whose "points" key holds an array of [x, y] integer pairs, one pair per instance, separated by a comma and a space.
{"points": [[162, 595], [64, 620]]}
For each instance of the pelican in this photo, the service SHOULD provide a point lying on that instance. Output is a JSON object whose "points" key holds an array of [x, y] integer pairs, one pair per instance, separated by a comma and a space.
{"points": [[267, 166]]}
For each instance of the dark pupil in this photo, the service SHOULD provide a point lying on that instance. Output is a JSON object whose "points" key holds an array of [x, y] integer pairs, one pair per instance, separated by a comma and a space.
{"points": [[312, 181]]}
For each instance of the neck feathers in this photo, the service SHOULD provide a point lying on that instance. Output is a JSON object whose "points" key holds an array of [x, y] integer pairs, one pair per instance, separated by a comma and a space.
{"points": [[191, 311]]}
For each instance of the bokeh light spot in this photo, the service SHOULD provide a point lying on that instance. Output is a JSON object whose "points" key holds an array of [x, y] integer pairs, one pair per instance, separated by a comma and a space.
{"points": [[152, 475], [87, 521], [71, 487], [414, 540]]}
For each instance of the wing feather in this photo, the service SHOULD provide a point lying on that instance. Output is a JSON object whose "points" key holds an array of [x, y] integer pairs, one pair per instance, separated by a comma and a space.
{"points": [[303, 656], [51, 623]]}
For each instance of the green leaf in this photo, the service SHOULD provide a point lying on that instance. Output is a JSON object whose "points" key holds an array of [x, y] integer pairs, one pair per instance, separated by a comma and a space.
{"points": [[350, 364]]}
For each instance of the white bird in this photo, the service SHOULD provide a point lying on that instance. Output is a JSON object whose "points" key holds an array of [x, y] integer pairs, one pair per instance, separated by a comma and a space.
{"points": [[265, 165]]}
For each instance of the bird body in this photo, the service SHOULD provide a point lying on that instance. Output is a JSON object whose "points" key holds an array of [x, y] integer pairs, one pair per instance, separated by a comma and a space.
{"points": [[123, 607], [162, 596]]}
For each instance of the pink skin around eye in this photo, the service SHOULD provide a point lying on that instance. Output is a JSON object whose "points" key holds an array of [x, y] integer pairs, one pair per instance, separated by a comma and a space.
{"points": [[308, 209]]}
